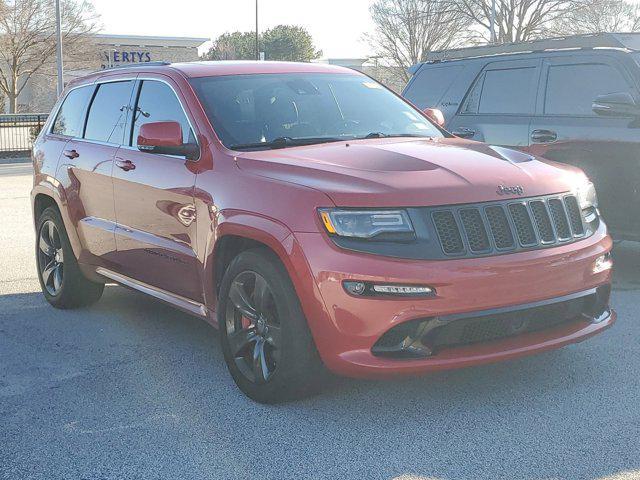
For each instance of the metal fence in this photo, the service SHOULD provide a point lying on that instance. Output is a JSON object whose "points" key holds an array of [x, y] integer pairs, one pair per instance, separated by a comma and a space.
{"points": [[18, 131]]}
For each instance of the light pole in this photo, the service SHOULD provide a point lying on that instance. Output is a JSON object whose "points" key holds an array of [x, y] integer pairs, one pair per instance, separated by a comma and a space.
{"points": [[257, 46], [59, 48]]}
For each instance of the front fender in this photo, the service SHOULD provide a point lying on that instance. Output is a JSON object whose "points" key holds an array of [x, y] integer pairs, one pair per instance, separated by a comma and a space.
{"points": [[279, 238]]}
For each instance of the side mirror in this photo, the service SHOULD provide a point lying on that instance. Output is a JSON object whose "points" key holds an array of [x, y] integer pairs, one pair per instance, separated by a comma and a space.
{"points": [[165, 138], [620, 104], [435, 115]]}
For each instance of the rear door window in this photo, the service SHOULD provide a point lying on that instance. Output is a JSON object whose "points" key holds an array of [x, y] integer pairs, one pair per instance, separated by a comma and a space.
{"points": [[507, 91], [70, 117], [571, 89], [158, 103], [432, 84], [108, 112]]}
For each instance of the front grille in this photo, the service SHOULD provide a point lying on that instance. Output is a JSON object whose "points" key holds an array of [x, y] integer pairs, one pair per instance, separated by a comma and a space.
{"points": [[503, 325], [508, 226], [448, 232]]}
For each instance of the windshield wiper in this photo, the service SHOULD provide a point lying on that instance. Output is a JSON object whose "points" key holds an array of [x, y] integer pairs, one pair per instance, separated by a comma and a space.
{"points": [[391, 135], [283, 142]]}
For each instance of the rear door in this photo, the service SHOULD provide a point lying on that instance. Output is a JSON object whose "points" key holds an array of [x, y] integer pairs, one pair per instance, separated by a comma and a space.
{"points": [[67, 124], [154, 201], [499, 106], [86, 168], [606, 148]]}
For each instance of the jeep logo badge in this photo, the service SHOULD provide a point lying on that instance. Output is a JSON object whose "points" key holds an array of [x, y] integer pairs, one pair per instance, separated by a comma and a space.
{"points": [[514, 190]]}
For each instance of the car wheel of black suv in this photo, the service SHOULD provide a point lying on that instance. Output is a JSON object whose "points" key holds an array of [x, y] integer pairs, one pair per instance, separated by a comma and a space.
{"points": [[62, 282], [265, 339]]}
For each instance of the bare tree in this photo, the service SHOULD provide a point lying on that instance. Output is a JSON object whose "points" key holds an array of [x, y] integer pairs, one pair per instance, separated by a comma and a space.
{"points": [[515, 20], [407, 30], [28, 42], [597, 16]]}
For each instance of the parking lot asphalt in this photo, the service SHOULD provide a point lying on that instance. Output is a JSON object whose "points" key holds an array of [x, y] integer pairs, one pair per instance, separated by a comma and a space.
{"points": [[132, 389]]}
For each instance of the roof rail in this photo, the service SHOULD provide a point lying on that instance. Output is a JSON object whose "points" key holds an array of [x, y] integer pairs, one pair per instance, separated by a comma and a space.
{"points": [[625, 41], [134, 65]]}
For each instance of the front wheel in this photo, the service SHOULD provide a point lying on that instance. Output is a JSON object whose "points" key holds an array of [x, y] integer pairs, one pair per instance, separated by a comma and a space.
{"points": [[265, 339]]}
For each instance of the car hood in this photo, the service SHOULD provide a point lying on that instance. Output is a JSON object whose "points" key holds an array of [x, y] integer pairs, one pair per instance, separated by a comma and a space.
{"points": [[411, 172]]}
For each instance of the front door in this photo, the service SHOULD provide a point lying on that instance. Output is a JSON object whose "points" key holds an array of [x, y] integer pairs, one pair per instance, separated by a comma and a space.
{"points": [[606, 148], [156, 224]]}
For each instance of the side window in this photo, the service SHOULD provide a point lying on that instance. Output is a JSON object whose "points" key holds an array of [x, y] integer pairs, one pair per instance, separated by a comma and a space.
{"points": [[158, 103], [71, 114], [431, 84], [571, 89], [108, 112], [507, 91], [471, 102]]}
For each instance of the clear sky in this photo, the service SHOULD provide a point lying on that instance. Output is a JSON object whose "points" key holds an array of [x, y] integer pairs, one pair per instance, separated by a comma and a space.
{"points": [[337, 26]]}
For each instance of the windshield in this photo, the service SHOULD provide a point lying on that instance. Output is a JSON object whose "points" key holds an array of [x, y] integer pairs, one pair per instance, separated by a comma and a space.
{"points": [[278, 110]]}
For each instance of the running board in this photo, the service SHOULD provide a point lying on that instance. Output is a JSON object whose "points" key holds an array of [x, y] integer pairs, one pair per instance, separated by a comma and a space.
{"points": [[182, 303]]}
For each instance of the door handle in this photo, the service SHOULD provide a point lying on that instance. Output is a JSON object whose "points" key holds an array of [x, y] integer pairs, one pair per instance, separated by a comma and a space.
{"points": [[543, 136], [125, 165], [70, 154], [464, 132]]}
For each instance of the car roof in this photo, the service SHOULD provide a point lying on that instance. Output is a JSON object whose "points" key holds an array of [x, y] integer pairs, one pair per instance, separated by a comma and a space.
{"points": [[216, 68], [576, 44]]}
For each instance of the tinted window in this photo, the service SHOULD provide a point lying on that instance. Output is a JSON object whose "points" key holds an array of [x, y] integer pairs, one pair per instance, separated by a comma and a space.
{"points": [[507, 91], [571, 89], [71, 114], [108, 112], [262, 107], [158, 103], [431, 84]]}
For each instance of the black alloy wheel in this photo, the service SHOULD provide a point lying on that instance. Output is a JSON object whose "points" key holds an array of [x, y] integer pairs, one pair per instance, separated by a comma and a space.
{"points": [[252, 327], [50, 258]]}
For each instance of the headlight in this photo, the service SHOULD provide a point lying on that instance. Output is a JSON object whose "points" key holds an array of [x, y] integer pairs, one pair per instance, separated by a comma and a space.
{"points": [[587, 197], [365, 223]]}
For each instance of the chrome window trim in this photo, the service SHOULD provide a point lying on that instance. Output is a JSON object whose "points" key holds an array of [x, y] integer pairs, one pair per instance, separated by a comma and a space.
{"points": [[98, 82]]}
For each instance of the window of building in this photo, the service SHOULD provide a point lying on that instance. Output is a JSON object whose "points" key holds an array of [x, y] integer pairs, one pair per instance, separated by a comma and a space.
{"points": [[158, 103], [108, 112], [71, 114], [571, 89]]}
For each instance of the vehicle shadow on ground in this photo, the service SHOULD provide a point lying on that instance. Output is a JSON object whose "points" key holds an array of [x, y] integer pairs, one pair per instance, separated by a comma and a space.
{"points": [[130, 378]]}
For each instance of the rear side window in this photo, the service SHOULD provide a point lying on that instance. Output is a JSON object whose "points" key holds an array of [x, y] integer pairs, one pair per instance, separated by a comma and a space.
{"points": [[431, 85], [108, 112], [158, 103], [571, 89], [507, 91], [70, 116]]}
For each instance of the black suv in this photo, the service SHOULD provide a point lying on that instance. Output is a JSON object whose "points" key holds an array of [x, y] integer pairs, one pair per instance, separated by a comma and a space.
{"points": [[574, 100]]}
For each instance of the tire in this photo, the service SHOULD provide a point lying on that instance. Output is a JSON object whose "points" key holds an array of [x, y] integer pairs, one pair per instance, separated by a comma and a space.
{"points": [[63, 284], [288, 354]]}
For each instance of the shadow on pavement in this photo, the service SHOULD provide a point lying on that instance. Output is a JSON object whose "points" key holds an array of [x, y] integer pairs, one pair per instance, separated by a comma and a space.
{"points": [[131, 388]]}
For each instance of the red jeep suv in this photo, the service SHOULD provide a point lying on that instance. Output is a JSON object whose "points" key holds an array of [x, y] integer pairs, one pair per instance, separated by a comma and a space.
{"points": [[317, 219]]}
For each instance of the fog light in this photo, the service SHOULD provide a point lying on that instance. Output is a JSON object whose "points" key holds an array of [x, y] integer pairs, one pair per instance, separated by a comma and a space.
{"points": [[355, 288], [358, 288], [402, 290], [602, 263]]}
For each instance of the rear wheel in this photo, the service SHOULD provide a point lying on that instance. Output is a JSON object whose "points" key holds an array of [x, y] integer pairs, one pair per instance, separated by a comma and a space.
{"points": [[266, 342], [62, 282]]}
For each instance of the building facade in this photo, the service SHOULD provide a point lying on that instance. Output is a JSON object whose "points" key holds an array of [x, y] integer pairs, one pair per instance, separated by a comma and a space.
{"points": [[108, 51]]}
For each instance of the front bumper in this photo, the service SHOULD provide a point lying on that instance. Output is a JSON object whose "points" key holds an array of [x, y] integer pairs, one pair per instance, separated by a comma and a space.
{"points": [[346, 328]]}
